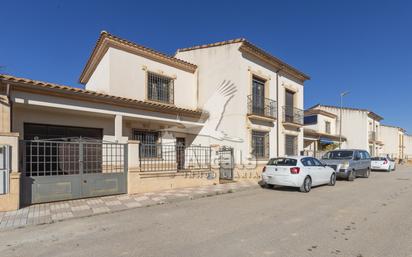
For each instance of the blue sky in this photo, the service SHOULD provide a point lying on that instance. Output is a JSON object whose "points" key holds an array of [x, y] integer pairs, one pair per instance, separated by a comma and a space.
{"points": [[361, 46]]}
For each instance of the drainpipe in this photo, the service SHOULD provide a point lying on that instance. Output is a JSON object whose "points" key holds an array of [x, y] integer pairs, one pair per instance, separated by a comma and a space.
{"points": [[277, 109], [8, 92]]}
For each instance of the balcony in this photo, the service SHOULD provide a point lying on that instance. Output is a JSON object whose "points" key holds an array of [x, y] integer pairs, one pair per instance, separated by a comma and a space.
{"points": [[373, 136], [292, 115], [266, 108]]}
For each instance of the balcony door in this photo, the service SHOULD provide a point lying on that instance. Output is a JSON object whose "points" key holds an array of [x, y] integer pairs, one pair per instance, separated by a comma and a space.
{"points": [[258, 96], [289, 104]]}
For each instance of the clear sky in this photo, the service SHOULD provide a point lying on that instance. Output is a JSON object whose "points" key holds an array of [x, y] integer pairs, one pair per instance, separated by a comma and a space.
{"points": [[361, 46]]}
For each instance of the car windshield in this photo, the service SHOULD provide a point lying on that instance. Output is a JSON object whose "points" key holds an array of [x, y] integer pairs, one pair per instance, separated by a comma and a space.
{"points": [[282, 162], [338, 155]]}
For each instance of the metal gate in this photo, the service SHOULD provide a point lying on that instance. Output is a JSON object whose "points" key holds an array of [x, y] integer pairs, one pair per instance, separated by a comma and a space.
{"points": [[72, 168], [226, 163], [5, 160]]}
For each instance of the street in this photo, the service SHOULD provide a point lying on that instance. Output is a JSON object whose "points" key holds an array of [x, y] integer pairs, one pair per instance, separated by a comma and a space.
{"points": [[368, 217]]}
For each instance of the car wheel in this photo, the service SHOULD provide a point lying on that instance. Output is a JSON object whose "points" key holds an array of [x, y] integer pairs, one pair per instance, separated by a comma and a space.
{"points": [[332, 181], [367, 174], [352, 176], [269, 186], [306, 186]]}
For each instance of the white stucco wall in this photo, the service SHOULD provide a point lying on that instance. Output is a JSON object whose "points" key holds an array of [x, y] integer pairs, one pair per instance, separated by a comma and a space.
{"points": [[123, 74], [320, 126], [408, 146], [354, 127], [390, 137], [217, 65], [100, 79]]}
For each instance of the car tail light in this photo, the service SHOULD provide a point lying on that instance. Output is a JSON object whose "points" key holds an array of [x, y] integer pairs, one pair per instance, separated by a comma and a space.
{"points": [[295, 170], [385, 161], [264, 169]]}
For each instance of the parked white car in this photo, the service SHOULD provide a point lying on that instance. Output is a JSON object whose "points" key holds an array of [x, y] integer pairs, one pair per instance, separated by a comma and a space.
{"points": [[383, 163], [298, 171]]}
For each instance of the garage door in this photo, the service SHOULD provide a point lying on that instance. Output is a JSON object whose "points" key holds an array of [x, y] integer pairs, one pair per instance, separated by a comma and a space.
{"points": [[62, 163], [43, 131]]}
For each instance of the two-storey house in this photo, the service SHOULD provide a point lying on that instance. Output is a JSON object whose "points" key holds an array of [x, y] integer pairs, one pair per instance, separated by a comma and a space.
{"points": [[265, 109], [147, 121], [321, 132], [360, 127], [394, 141]]}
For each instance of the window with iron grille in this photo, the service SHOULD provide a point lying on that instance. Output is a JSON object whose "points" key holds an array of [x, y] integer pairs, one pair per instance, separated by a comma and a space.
{"points": [[260, 144], [291, 145], [149, 143], [327, 127], [160, 88]]}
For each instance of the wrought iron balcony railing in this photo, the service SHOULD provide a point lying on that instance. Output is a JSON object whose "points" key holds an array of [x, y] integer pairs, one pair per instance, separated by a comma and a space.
{"points": [[261, 106], [292, 115], [373, 136]]}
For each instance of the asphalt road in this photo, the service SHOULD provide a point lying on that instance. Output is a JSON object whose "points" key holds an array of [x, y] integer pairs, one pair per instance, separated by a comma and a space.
{"points": [[367, 217]]}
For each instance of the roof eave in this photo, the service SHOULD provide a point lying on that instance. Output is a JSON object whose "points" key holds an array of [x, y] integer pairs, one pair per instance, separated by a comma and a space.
{"points": [[107, 40], [279, 64], [81, 94]]}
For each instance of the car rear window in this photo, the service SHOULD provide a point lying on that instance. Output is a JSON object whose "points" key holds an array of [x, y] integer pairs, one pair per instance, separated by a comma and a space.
{"points": [[338, 155], [378, 159], [282, 162]]}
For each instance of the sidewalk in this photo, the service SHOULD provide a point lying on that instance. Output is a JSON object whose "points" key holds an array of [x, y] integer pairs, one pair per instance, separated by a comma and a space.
{"points": [[52, 212]]}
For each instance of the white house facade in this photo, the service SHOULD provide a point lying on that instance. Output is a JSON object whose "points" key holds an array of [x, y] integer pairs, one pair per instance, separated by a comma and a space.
{"points": [[321, 132], [147, 121], [394, 141], [360, 127], [408, 147], [265, 109]]}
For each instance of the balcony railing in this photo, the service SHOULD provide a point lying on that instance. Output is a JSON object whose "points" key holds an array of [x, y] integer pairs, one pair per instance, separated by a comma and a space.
{"points": [[265, 107], [373, 136], [292, 115]]}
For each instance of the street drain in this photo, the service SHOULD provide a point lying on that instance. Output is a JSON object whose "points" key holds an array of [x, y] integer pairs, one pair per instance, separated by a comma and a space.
{"points": [[403, 179]]}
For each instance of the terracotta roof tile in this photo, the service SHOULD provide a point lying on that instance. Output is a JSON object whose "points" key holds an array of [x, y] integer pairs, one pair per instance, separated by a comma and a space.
{"points": [[84, 92], [104, 35], [253, 47]]}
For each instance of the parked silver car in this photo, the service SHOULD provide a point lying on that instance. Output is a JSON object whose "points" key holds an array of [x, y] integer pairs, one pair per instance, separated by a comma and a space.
{"points": [[349, 163]]}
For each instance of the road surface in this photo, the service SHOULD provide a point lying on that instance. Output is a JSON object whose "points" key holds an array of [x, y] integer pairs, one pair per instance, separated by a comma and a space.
{"points": [[368, 217]]}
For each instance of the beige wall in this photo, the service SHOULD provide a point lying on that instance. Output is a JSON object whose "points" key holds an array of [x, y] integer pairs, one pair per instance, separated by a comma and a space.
{"points": [[4, 114], [390, 137], [354, 127], [320, 126], [11, 201], [408, 146], [124, 74], [226, 63]]}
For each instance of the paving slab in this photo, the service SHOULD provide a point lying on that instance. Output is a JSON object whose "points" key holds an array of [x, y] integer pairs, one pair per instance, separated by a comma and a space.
{"points": [[58, 211]]}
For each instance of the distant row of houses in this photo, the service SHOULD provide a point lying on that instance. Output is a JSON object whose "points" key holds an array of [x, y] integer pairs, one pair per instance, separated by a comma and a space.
{"points": [[358, 128], [144, 120]]}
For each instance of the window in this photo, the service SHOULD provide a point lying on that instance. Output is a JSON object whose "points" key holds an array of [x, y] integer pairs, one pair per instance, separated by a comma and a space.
{"points": [[282, 162], [307, 162], [149, 147], [317, 162], [337, 155], [365, 155], [291, 145], [258, 95], [327, 127], [312, 119], [260, 144], [160, 88]]}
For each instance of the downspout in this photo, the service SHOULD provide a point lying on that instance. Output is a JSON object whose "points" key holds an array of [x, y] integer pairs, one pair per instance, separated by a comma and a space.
{"points": [[277, 109], [8, 92]]}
